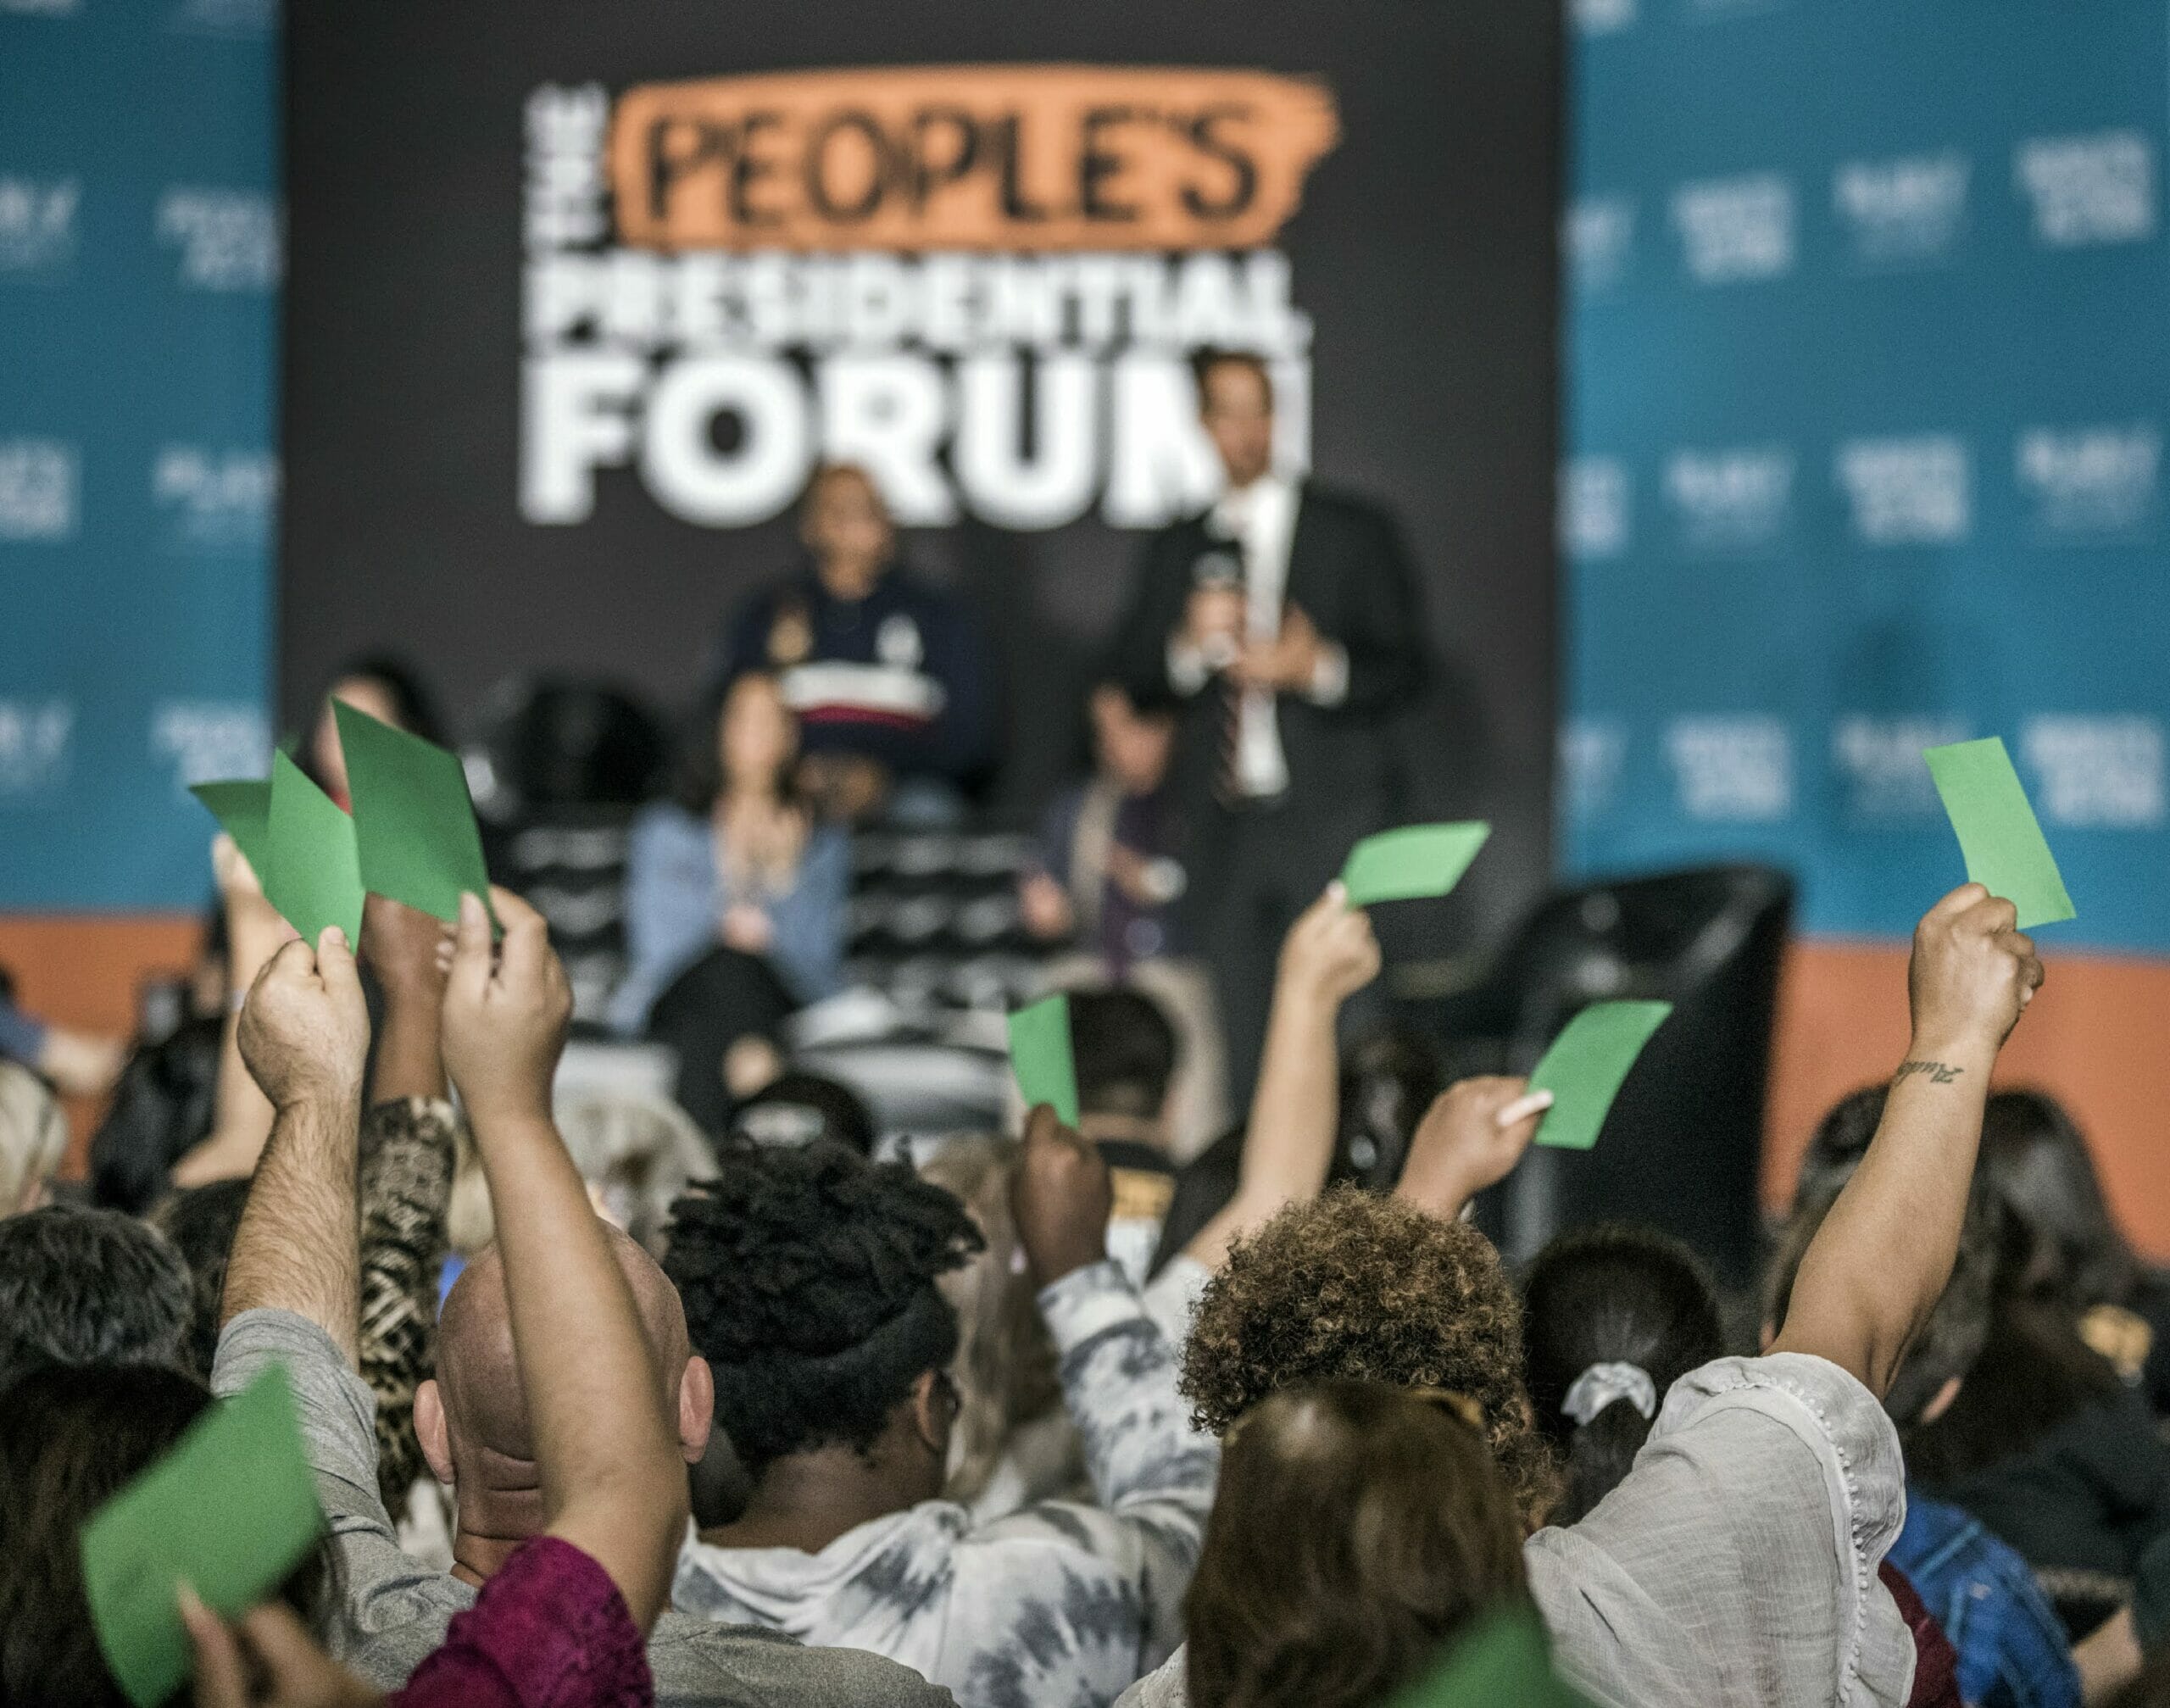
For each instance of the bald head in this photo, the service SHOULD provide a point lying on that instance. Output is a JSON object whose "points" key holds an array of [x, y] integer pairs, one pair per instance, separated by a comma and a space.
{"points": [[478, 1373]]}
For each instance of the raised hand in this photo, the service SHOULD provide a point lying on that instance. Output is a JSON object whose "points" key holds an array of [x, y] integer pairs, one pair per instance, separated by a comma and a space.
{"points": [[1471, 1137], [1060, 1198], [1972, 973], [506, 1009], [304, 1030], [1330, 952]]}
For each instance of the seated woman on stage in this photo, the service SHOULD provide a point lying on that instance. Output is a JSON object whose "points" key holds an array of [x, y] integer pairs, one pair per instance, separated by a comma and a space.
{"points": [[735, 861]]}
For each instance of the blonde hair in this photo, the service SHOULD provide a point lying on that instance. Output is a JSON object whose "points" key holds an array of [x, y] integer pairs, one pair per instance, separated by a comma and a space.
{"points": [[1005, 1365], [33, 1136], [638, 1152]]}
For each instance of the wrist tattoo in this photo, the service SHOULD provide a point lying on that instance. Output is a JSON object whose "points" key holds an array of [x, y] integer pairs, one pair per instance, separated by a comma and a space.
{"points": [[1938, 1073]]}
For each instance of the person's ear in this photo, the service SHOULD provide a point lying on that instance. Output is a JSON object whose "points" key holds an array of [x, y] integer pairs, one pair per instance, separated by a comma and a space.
{"points": [[934, 1411], [1941, 1402], [432, 1430], [696, 1407]]}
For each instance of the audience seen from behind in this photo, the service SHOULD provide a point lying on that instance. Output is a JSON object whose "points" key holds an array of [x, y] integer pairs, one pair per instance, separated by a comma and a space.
{"points": [[2011, 1647], [1065, 1419], [1612, 1317], [562, 1618], [1709, 1574], [811, 1282], [482, 1430], [889, 672], [1358, 1529]]}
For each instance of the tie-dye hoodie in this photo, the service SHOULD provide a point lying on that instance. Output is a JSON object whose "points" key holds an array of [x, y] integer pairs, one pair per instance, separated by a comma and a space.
{"points": [[1059, 1606]]}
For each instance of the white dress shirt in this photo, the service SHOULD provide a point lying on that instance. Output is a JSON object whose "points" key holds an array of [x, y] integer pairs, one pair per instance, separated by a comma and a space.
{"points": [[1261, 517]]}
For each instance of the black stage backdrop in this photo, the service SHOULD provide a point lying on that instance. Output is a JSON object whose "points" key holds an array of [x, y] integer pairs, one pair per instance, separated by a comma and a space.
{"points": [[576, 291]]}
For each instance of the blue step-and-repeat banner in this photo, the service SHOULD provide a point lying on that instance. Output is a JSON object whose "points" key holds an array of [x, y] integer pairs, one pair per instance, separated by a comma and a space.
{"points": [[140, 259], [1868, 377]]}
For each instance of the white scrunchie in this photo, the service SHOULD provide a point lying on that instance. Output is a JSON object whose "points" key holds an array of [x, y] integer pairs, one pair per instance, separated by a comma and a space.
{"points": [[1601, 1385]]}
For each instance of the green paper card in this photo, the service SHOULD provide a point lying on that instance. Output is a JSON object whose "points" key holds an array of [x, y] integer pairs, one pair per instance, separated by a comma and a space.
{"points": [[1998, 833], [1585, 1066], [1415, 861], [1039, 1056], [243, 811], [414, 818], [1504, 1663], [230, 1512], [312, 873]]}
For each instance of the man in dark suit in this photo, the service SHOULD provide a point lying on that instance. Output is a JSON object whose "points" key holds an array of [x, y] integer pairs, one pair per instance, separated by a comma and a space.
{"points": [[1285, 623]]}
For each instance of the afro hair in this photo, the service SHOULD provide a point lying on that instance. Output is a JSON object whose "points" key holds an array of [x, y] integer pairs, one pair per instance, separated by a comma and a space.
{"points": [[1354, 1288], [808, 1281]]}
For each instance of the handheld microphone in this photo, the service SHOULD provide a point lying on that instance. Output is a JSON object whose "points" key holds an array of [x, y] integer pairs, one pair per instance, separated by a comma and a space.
{"points": [[1220, 569]]}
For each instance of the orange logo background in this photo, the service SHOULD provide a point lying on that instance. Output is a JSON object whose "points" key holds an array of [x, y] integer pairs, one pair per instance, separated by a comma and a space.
{"points": [[967, 157]]}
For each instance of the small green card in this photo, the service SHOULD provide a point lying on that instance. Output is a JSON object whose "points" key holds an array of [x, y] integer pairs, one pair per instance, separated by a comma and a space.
{"points": [[230, 1512], [414, 818], [1415, 861], [1998, 833], [312, 873], [1585, 1065], [1039, 1056], [1503, 1663], [243, 811]]}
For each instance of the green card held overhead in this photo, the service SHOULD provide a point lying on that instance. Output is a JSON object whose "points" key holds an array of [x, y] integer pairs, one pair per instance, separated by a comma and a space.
{"points": [[1415, 861], [1039, 1056], [1998, 833], [312, 873], [243, 811], [1585, 1065], [230, 1511], [414, 818]]}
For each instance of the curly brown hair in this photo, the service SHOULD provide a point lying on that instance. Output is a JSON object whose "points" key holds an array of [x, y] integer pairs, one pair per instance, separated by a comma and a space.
{"points": [[1353, 1288]]}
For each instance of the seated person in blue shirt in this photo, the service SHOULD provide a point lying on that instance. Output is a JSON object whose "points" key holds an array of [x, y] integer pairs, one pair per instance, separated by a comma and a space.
{"points": [[735, 861], [888, 674]]}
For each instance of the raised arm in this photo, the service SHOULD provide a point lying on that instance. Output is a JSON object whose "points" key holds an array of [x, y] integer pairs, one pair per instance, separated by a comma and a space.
{"points": [[1877, 1265], [1329, 956], [304, 1033], [613, 1482], [1151, 1473]]}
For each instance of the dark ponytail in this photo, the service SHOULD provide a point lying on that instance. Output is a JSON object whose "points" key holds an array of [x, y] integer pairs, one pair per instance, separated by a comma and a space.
{"points": [[1623, 1297]]}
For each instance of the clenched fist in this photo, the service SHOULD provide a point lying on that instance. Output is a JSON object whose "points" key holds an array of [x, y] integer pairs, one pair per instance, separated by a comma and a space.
{"points": [[506, 1009], [1973, 972], [1330, 952], [1470, 1137], [304, 1029], [1060, 1198]]}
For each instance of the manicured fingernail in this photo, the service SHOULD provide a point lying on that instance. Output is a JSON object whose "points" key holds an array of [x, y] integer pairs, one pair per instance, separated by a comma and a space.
{"points": [[334, 937], [1523, 1107], [1337, 890]]}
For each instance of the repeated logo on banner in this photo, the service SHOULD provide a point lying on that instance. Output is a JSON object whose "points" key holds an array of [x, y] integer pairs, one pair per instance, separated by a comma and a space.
{"points": [[1867, 385], [140, 257], [923, 270]]}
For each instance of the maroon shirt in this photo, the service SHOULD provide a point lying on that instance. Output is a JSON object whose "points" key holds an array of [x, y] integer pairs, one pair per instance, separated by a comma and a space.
{"points": [[1936, 1662], [550, 1630]]}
